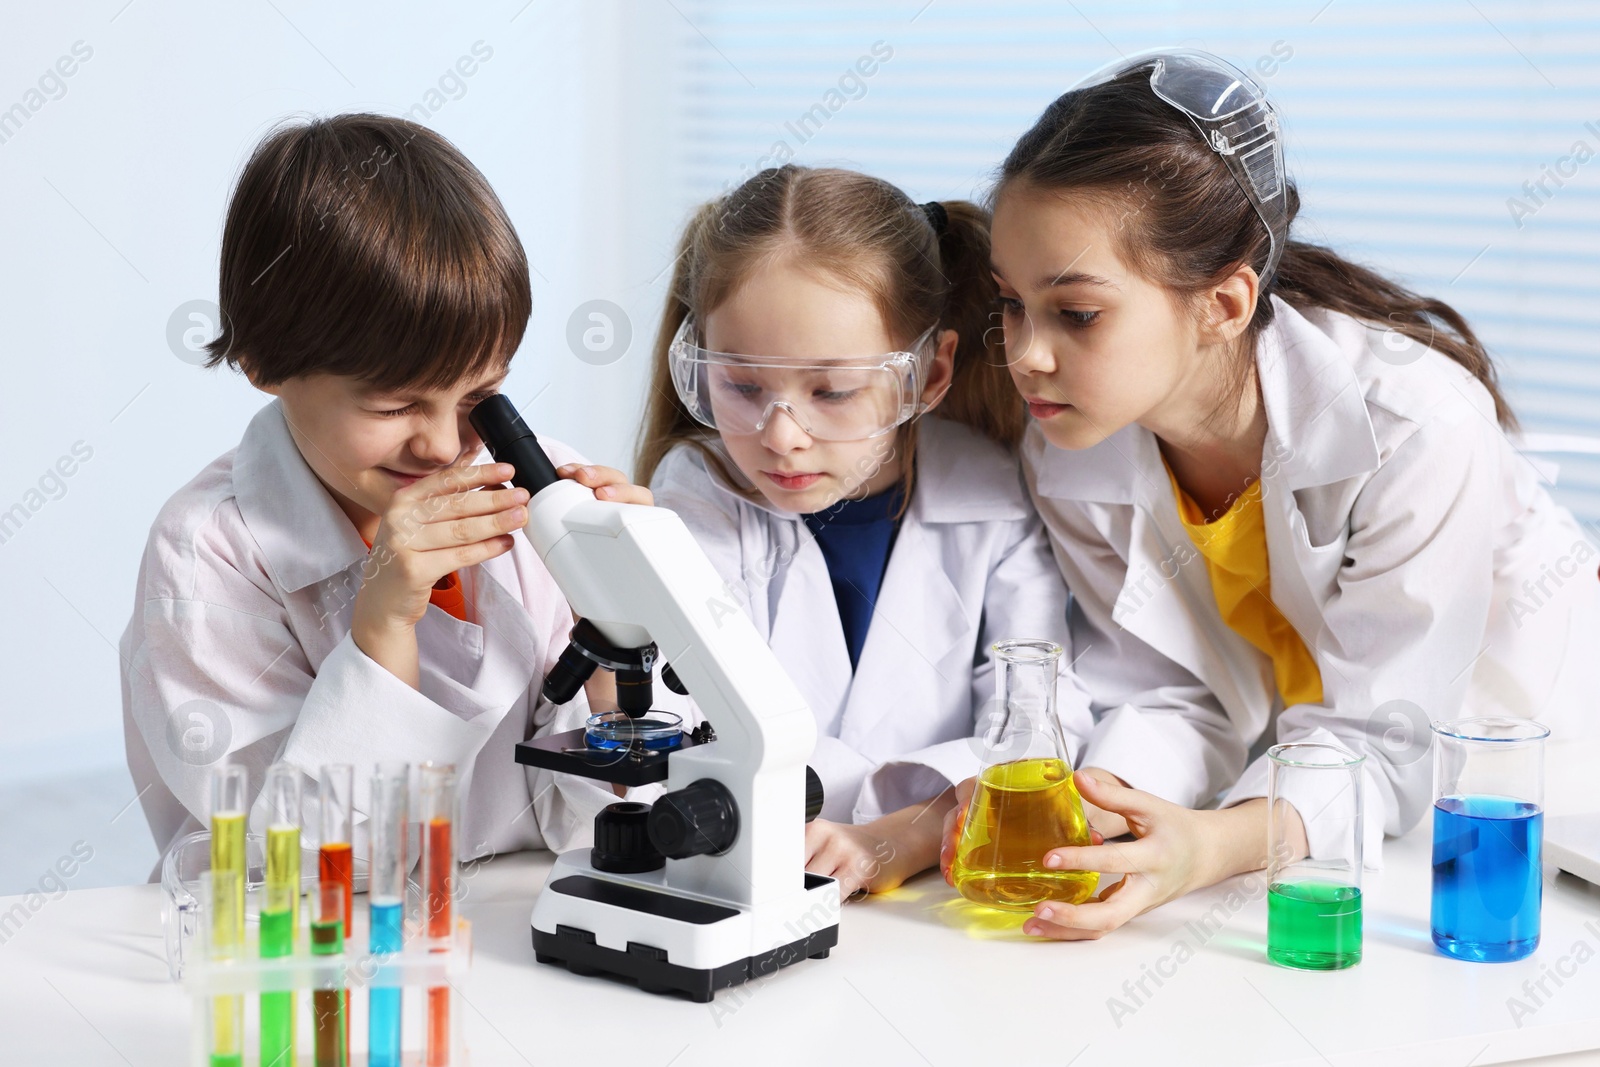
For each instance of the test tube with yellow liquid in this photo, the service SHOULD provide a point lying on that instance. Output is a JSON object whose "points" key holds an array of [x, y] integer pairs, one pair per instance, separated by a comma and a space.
{"points": [[1025, 803], [280, 909], [228, 807]]}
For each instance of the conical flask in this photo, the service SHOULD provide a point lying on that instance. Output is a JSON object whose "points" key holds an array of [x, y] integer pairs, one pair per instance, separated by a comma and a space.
{"points": [[1025, 803]]}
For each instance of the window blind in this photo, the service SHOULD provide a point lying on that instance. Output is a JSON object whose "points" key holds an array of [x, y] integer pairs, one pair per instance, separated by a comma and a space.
{"points": [[1453, 145]]}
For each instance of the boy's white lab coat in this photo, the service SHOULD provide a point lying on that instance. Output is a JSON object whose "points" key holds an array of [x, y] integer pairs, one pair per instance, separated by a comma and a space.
{"points": [[969, 567], [1416, 553], [240, 647]]}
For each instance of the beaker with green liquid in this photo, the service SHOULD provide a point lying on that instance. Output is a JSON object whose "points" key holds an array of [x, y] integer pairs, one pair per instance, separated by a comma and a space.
{"points": [[1025, 803], [1314, 843]]}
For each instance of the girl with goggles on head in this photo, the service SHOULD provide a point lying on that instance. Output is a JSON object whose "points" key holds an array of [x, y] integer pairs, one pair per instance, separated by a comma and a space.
{"points": [[1277, 482], [831, 421]]}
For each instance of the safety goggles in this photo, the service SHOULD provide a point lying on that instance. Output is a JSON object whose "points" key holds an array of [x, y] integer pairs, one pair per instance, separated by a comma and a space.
{"points": [[1232, 113], [843, 400]]}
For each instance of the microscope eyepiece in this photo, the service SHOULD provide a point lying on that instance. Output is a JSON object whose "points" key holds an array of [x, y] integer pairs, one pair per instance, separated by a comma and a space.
{"points": [[510, 441]]}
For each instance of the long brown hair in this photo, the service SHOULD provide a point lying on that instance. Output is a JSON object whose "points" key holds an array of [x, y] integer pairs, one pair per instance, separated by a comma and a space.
{"points": [[864, 232], [1189, 225]]}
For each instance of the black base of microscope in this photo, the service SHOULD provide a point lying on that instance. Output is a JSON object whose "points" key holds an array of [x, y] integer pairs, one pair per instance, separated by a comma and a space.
{"points": [[648, 967]]}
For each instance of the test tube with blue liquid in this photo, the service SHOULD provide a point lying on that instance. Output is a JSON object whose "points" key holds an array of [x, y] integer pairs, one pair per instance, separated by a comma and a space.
{"points": [[1488, 837], [386, 901]]}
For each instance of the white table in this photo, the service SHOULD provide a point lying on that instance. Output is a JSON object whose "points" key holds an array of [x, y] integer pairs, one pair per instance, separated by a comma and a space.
{"points": [[918, 977]]}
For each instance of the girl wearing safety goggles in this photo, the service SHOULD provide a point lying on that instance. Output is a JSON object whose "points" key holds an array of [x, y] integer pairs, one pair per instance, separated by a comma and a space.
{"points": [[816, 319], [1278, 484]]}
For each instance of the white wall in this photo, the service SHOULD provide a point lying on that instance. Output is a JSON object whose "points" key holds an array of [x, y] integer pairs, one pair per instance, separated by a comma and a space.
{"points": [[113, 196]]}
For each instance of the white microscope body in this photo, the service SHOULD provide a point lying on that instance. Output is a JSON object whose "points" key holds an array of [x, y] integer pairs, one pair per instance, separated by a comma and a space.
{"points": [[744, 906]]}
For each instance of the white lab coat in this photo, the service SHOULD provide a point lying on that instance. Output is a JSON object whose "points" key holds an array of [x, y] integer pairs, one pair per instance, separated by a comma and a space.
{"points": [[240, 647], [1401, 526], [969, 566]]}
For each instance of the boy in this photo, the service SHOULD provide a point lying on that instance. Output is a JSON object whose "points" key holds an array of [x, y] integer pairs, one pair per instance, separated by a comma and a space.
{"points": [[343, 587]]}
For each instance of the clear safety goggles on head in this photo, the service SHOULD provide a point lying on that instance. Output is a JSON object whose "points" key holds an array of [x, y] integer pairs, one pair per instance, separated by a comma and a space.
{"points": [[1233, 114], [849, 399]]}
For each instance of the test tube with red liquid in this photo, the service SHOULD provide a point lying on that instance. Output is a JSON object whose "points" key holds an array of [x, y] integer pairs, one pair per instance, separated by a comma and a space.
{"points": [[438, 816]]}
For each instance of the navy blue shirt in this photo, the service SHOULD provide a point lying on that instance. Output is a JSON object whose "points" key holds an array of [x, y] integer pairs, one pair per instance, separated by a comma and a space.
{"points": [[855, 537]]}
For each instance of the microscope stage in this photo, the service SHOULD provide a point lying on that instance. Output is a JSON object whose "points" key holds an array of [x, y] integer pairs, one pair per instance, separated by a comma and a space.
{"points": [[569, 753]]}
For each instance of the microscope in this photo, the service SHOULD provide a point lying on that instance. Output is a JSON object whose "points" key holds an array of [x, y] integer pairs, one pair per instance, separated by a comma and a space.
{"points": [[707, 887]]}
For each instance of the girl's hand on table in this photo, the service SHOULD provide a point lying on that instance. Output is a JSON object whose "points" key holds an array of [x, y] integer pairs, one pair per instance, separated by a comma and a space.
{"points": [[876, 857], [1176, 850]]}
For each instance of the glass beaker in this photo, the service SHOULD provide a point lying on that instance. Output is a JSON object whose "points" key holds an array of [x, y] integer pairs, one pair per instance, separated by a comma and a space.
{"points": [[1488, 837], [186, 886], [186, 881], [1314, 899], [1025, 803]]}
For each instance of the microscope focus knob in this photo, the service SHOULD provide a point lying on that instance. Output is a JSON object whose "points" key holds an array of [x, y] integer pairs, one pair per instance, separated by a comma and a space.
{"points": [[814, 794], [698, 820], [622, 840]]}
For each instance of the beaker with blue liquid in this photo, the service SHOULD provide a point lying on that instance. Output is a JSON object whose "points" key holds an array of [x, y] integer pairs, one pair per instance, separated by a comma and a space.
{"points": [[1488, 836]]}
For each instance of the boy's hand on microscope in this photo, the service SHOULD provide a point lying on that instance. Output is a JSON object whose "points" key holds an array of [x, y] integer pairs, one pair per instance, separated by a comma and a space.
{"points": [[1174, 853], [431, 528], [608, 483]]}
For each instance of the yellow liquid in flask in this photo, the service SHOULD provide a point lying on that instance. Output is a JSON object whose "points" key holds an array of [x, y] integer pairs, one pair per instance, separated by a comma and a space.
{"points": [[1019, 811]]}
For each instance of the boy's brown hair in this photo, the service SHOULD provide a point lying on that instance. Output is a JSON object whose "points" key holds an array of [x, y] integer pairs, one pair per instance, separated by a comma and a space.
{"points": [[369, 247]]}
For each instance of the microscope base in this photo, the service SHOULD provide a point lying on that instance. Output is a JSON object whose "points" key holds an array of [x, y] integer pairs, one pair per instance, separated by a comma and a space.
{"points": [[633, 927]]}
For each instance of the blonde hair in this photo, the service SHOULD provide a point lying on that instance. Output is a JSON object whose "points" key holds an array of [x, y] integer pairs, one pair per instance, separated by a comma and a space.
{"points": [[866, 233]]}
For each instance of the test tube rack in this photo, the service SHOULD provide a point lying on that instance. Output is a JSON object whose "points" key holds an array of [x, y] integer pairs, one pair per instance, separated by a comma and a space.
{"points": [[424, 964]]}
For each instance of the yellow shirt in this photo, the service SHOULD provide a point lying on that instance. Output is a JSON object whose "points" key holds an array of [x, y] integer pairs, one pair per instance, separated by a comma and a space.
{"points": [[1235, 550]]}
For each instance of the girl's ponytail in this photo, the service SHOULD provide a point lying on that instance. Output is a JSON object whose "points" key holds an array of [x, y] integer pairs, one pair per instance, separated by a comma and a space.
{"points": [[981, 393], [667, 421], [1313, 276]]}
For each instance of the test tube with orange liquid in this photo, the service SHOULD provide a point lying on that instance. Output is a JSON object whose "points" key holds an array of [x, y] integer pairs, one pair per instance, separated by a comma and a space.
{"points": [[438, 782], [335, 857]]}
